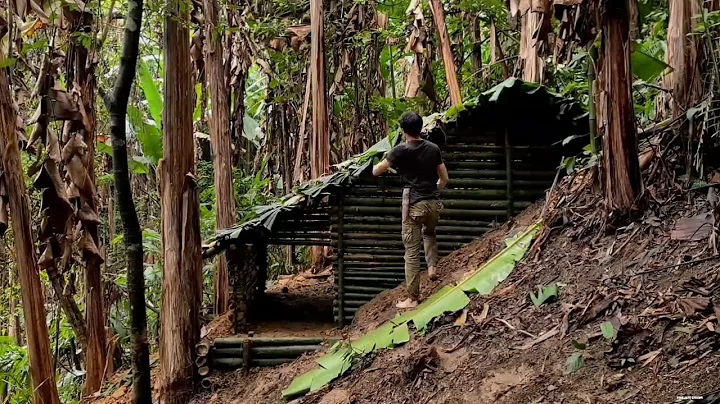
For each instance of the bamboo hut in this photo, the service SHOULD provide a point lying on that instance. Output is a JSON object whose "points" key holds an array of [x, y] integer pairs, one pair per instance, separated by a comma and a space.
{"points": [[502, 150]]}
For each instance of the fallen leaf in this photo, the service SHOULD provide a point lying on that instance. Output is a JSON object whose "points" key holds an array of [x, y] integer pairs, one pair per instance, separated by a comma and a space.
{"points": [[649, 357], [598, 308], [545, 294], [462, 319], [608, 330], [574, 363], [690, 305], [483, 316], [695, 228], [541, 338]]}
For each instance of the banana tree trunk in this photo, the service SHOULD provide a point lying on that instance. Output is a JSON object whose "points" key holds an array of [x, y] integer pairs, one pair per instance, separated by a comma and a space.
{"points": [[621, 167]]}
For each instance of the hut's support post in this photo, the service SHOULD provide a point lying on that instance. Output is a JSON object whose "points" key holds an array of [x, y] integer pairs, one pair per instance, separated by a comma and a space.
{"points": [[236, 257], [261, 270], [340, 265], [508, 169]]}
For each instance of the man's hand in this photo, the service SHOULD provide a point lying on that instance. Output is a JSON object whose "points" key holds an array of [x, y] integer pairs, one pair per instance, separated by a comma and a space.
{"points": [[443, 176], [381, 168]]}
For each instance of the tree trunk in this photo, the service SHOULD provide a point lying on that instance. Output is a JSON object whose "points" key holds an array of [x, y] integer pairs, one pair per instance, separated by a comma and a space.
{"points": [[622, 179], [682, 56], [320, 145], [221, 142], [38, 342], [447, 55], [117, 108], [534, 29], [81, 74], [182, 269]]}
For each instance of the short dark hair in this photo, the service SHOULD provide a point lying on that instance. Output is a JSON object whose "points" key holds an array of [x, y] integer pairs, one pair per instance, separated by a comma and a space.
{"points": [[411, 123]]}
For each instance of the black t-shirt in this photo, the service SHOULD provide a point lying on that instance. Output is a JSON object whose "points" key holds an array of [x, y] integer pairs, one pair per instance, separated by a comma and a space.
{"points": [[417, 161]]}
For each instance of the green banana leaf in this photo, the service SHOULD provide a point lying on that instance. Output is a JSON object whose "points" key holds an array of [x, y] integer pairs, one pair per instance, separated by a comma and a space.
{"points": [[152, 94], [396, 331]]}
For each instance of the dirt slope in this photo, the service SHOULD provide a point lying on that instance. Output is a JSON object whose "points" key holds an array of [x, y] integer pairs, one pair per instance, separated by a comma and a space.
{"points": [[659, 294]]}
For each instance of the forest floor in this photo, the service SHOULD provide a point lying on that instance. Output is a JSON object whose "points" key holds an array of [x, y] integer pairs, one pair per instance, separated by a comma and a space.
{"points": [[656, 280]]}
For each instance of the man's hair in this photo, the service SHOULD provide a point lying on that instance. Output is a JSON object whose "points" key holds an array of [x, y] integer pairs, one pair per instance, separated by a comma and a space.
{"points": [[411, 123]]}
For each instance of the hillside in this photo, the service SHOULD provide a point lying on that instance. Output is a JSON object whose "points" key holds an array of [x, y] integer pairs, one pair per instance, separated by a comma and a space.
{"points": [[654, 286]]}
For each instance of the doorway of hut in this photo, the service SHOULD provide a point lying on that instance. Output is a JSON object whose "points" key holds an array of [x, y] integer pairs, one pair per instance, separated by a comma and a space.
{"points": [[298, 298]]}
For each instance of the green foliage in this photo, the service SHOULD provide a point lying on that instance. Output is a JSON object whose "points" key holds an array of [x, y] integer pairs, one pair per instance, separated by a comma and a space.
{"points": [[396, 331], [608, 330], [545, 294], [574, 363]]}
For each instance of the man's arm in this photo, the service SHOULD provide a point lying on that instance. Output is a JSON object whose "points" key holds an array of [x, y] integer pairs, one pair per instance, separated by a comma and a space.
{"points": [[443, 174], [381, 168]]}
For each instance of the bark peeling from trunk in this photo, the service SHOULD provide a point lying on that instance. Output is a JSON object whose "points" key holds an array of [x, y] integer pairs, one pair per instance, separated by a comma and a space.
{"points": [[182, 269]]}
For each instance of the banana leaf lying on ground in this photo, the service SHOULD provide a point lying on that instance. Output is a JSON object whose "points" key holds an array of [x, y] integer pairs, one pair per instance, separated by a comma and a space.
{"points": [[397, 332]]}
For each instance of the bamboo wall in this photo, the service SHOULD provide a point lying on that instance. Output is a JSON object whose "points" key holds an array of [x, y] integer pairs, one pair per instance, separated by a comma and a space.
{"points": [[366, 221]]}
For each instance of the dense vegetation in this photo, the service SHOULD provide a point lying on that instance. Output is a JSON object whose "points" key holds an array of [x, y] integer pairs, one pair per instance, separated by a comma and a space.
{"points": [[144, 127]]}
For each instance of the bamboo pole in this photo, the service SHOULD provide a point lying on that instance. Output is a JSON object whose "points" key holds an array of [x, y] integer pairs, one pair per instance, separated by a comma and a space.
{"points": [[341, 259], [237, 363], [265, 352], [206, 383], [509, 172], [230, 342]]}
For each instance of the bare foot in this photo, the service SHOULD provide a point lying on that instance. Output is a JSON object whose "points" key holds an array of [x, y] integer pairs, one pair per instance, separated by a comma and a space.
{"points": [[432, 273], [407, 304]]}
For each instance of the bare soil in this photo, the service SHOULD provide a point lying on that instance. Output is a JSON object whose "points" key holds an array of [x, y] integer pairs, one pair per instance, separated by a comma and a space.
{"points": [[659, 294]]}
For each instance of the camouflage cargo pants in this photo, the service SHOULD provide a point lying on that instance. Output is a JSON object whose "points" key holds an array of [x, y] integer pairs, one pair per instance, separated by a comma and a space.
{"points": [[418, 231]]}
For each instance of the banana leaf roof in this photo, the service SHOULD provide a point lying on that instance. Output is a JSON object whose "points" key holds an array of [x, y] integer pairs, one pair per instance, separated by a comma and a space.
{"points": [[512, 102]]}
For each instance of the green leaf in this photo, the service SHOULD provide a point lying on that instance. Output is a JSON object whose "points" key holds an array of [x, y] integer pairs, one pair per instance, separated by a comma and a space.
{"points": [[545, 294], [104, 148], [608, 331], [148, 134], [301, 384], [7, 62], [137, 165], [498, 268], [448, 299], [150, 89], [646, 66], [574, 363], [578, 345], [198, 102]]}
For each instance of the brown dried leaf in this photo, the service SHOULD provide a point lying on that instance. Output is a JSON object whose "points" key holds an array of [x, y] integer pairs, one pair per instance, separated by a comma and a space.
{"points": [[299, 31], [690, 305], [598, 308], [695, 228], [87, 244], [46, 259], [87, 215]]}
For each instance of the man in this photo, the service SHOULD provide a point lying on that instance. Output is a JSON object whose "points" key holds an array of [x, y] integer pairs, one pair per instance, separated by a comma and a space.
{"points": [[424, 174]]}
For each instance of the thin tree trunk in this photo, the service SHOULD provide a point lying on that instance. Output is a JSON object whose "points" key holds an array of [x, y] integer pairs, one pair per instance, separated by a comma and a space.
{"points": [[38, 342], [320, 145], [117, 107], [182, 265], [15, 330], [447, 54], [299, 170], [221, 143], [476, 36], [622, 179], [682, 56], [81, 74]]}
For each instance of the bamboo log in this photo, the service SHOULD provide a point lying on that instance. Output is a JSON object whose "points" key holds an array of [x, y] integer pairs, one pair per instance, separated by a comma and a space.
{"points": [[203, 371], [340, 242], [388, 280], [448, 203], [289, 241], [202, 348], [246, 352], [378, 274], [374, 221], [365, 289], [265, 352], [206, 383], [357, 231], [230, 342], [237, 363], [346, 319], [396, 192], [353, 303], [348, 310], [360, 296], [201, 361], [397, 244]]}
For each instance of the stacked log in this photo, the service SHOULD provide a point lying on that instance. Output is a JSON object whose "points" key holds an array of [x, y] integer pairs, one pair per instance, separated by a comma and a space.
{"points": [[480, 196], [234, 353]]}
